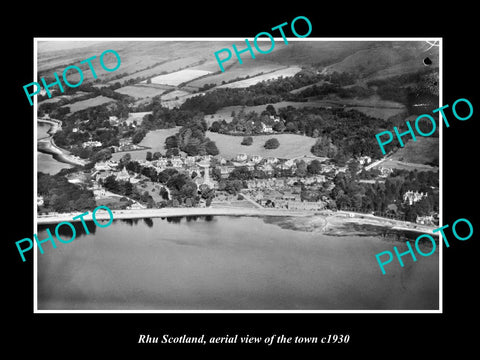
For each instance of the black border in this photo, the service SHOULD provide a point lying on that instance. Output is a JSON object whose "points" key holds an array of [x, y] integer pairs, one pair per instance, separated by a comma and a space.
{"points": [[383, 334]]}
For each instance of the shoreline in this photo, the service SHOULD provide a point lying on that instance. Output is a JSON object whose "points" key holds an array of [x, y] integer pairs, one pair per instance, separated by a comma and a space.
{"points": [[46, 145], [327, 222]]}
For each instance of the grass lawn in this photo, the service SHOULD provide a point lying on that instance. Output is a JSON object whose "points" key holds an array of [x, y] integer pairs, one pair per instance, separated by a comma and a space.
{"points": [[291, 145], [113, 202]]}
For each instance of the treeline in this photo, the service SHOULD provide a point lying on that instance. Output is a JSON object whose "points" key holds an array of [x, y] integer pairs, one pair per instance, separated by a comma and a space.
{"points": [[164, 118], [57, 109], [61, 196], [341, 134], [265, 92]]}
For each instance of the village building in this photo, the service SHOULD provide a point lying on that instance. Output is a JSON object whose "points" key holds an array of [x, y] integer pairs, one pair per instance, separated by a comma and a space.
{"points": [[385, 172], [176, 162], [271, 160], [225, 170], [122, 175], [256, 158], [125, 141], [91, 144], [425, 220], [267, 169], [411, 197], [241, 157], [364, 160], [266, 128], [190, 160]]}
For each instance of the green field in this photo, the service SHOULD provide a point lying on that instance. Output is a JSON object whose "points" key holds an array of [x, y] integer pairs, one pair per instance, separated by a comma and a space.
{"points": [[84, 104], [155, 140], [291, 145], [140, 91], [235, 71], [394, 164], [423, 151]]}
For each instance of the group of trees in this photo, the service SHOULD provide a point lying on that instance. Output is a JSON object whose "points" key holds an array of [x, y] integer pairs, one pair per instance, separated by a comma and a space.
{"points": [[250, 123], [350, 194], [61, 196], [191, 139], [272, 91], [339, 132], [272, 143]]}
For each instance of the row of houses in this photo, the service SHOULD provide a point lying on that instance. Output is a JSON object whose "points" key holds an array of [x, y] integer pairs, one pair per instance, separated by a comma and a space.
{"points": [[273, 183]]}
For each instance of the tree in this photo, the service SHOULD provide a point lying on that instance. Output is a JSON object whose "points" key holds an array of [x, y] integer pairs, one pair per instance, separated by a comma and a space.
{"points": [[211, 148], [171, 142], [111, 184], [164, 193], [215, 127], [279, 126], [101, 155], [301, 170], [157, 155], [138, 136], [247, 140], [149, 156], [271, 110], [272, 143], [172, 152], [314, 167]]}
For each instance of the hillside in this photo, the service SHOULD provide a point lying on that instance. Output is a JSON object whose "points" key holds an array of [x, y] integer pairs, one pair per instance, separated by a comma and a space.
{"points": [[423, 151], [386, 59]]}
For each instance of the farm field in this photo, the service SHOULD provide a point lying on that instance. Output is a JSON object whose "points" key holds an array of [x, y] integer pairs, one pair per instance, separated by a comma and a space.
{"points": [[154, 139], [285, 72], [140, 91], [84, 104], [178, 77], [173, 94], [423, 151], [395, 164], [138, 117], [291, 145], [235, 71], [56, 98], [320, 83], [225, 112], [161, 69], [172, 103], [379, 113]]}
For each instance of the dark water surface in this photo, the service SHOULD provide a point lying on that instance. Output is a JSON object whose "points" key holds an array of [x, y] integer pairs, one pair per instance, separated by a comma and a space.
{"points": [[228, 263]]}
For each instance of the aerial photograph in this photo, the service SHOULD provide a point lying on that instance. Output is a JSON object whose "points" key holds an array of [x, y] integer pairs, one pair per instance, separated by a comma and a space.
{"points": [[258, 188]]}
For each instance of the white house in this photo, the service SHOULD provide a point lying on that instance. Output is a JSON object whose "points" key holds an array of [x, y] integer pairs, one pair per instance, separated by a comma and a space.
{"points": [[241, 157], [256, 158], [266, 128]]}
